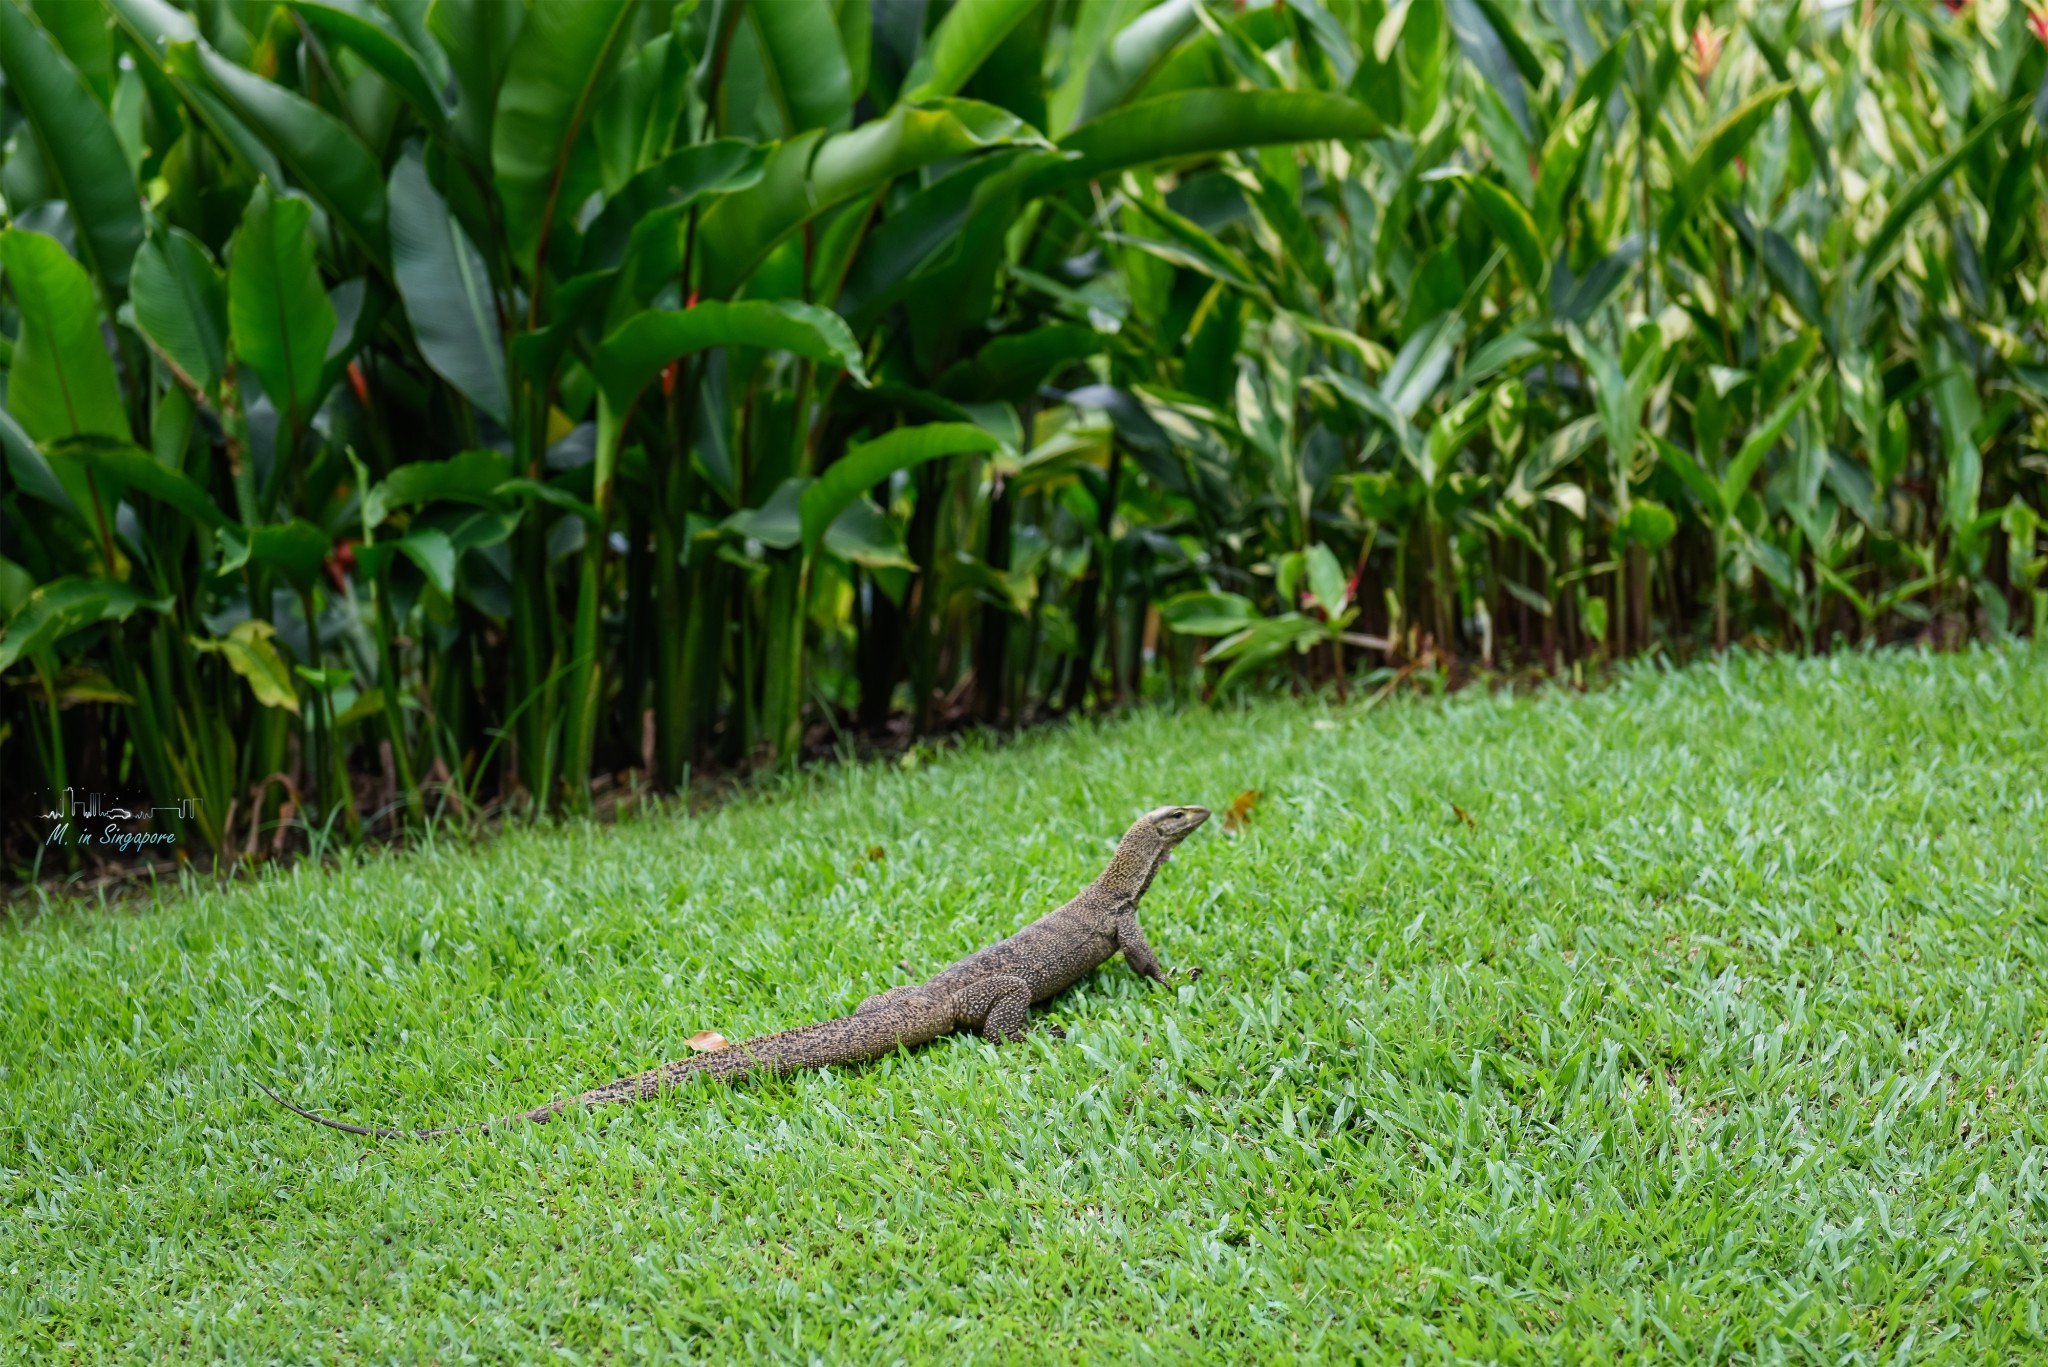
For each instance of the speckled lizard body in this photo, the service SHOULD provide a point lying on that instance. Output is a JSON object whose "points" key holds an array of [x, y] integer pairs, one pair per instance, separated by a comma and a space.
{"points": [[991, 990]]}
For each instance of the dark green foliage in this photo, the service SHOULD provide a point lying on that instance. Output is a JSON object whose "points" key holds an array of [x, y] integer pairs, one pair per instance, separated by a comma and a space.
{"points": [[495, 360]]}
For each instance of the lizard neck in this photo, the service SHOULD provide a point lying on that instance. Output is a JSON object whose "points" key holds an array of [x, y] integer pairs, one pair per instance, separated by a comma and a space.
{"points": [[1135, 864]]}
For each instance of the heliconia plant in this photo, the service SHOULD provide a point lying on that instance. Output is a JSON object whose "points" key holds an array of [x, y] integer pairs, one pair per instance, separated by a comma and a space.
{"points": [[420, 409]]}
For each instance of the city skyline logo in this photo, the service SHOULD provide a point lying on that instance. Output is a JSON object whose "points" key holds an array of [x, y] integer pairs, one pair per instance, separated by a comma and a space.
{"points": [[108, 822]]}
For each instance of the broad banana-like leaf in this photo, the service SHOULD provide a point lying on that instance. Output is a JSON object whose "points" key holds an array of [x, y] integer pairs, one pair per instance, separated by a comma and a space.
{"points": [[447, 291], [812, 173], [963, 40], [128, 466], [1192, 123], [361, 29], [866, 535], [1137, 49], [479, 38], [806, 62], [62, 381], [636, 353], [78, 145], [565, 51], [296, 549], [471, 477], [866, 465], [278, 314], [631, 357], [81, 34], [668, 187], [1208, 613], [314, 147], [63, 606], [1327, 581], [181, 307]]}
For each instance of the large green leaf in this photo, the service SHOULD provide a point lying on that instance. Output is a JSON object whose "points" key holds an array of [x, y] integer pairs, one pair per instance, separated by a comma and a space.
{"points": [[62, 381], [447, 291], [1122, 64], [1264, 640], [812, 173], [970, 31], [640, 113], [1511, 225], [278, 314], [153, 24], [181, 306], [296, 549], [1960, 411], [667, 188], [777, 523], [563, 55], [1564, 151], [1686, 466], [866, 465], [1420, 364], [866, 535], [1327, 581], [636, 353], [81, 33], [1192, 123], [470, 477], [1208, 613], [1759, 442], [78, 145], [314, 147], [64, 606], [427, 547], [1901, 210], [917, 232], [135, 469], [32, 474], [1723, 144], [632, 356], [806, 62], [479, 37], [361, 29]]}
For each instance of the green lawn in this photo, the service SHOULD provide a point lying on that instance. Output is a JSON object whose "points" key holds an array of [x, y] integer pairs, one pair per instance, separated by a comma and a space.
{"points": [[1719, 1032]]}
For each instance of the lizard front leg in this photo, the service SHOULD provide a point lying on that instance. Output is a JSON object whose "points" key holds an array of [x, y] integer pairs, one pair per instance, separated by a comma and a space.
{"points": [[1130, 938], [996, 1005]]}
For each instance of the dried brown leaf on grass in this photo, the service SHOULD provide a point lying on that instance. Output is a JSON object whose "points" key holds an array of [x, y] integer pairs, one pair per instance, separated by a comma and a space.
{"points": [[1239, 813]]}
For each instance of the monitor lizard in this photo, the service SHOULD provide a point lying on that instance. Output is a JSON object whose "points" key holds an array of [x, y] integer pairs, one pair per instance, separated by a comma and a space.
{"points": [[991, 990]]}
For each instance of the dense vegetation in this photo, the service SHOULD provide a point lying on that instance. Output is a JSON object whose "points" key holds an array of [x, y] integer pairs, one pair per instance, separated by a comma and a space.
{"points": [[1717, 1035], [418, 406]]}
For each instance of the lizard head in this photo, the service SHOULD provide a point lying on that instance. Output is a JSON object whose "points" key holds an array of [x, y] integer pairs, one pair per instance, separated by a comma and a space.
{"points": [[1146, 846], [1175, 824]]}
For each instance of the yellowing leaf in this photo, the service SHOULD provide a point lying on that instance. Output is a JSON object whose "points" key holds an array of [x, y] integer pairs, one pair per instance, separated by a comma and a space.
{"points": [[248, 651], [709, 1042]]}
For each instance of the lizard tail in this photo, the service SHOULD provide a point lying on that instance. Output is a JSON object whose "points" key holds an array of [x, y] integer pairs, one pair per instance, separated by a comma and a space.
{"points": [[539, 1115], [847, 1039], [724, 1067]]}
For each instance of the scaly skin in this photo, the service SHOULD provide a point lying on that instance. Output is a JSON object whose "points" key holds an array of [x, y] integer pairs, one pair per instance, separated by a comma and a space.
{"points": [[991, 990]]}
